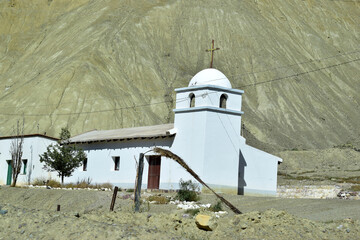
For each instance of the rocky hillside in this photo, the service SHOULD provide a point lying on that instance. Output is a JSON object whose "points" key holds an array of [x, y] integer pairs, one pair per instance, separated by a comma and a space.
{"points": [[111, 64]]}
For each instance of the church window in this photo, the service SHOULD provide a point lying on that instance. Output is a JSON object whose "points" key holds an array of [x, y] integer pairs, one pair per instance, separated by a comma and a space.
{"points": [[192, 100], [85, 164], [223, 100], [116, 163], [24, 166]]}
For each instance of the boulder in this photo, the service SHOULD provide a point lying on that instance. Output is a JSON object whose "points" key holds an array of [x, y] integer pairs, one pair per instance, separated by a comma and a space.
{"points": [[205, 222]]}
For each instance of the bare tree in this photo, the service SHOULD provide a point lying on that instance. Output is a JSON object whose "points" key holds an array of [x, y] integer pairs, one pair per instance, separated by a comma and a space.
{"points": [[16, 151]]}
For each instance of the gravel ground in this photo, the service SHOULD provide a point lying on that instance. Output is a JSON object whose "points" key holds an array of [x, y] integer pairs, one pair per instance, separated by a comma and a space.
{"points": [[31, 214]]}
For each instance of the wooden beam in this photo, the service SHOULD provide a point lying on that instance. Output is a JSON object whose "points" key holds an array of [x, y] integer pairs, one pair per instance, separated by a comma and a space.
{"points": [[139, 182]]}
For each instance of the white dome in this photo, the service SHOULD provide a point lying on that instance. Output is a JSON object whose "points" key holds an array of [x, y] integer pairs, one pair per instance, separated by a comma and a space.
{"points": [[210, 76]]}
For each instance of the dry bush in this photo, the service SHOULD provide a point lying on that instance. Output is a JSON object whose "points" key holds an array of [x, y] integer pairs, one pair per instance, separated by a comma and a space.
{"points": [[69, 185], [159, 199], [86, 183], [39, 182], [53, 183], [106, 185], [355, 188], [82, 184]]}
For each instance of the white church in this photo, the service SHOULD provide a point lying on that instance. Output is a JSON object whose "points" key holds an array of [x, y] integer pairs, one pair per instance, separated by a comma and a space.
{"points": [[206, 134]]}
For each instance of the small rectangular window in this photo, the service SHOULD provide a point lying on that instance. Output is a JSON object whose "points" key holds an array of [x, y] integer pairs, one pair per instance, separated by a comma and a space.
{"points": [[117, 163], [24, 166], [85, 164]]}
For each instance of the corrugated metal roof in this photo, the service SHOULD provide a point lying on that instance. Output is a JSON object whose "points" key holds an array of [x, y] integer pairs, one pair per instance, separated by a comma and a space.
{"points": [[124, 133]]}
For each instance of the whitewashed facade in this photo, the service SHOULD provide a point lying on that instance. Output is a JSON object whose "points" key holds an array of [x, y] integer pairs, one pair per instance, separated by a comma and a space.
{"points": [[206, 134], [33, 146]]}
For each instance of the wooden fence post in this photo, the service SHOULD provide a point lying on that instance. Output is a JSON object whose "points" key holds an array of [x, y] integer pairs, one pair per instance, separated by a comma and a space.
{"points": [[139, 182], [113, 199]]}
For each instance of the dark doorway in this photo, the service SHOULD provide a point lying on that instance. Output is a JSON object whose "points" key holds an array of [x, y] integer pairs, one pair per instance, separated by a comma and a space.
{"points": [[154, 172], [9, 173]]}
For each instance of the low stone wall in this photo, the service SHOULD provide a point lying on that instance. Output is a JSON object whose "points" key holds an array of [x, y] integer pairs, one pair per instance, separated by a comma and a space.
{"points": [[322, 192]]}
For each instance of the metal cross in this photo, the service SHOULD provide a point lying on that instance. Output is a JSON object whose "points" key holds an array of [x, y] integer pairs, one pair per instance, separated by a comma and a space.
{"points": [[212, 49]]}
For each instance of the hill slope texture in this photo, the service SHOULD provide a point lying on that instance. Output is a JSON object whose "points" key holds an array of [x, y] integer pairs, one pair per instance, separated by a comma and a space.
{"points": [[113, 64]]}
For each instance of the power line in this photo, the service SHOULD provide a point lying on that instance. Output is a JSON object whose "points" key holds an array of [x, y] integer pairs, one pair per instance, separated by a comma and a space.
{"points": [[299, 74], [97, 111], [184, 99], [286, 66], [231, 76]]}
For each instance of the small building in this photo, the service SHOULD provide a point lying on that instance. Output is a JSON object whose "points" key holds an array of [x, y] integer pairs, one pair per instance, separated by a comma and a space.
{"points": [[206, 134], [33, 146]]}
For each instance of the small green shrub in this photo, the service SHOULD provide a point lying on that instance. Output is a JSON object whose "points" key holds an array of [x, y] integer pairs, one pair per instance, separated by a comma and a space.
{"points": [[192, 212], [216, 207], [187, 191], [130, 190]]}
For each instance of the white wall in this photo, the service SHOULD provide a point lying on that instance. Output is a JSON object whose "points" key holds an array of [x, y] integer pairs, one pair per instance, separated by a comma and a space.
{"points": [[209, 139], [260, 171], [100, 166], [32, 148]]}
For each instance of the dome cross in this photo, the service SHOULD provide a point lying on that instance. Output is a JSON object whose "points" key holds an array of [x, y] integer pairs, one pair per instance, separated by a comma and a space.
{"points": [[212, 50]]}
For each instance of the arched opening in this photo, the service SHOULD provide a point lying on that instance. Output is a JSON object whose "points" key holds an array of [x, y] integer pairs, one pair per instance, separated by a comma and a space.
{"points": [[223, 99], [192, 100]]}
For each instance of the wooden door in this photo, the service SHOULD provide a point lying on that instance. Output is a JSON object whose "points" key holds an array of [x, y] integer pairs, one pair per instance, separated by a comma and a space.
{"points": [[9, 173], [154, 172]]}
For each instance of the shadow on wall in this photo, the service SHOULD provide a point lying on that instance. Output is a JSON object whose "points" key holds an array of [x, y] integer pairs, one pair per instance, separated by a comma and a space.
{"points": [[241, 180]]}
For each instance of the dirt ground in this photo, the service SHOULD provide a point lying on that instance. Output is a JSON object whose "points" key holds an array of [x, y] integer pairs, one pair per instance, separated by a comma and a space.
{"points": [[31, 214]]}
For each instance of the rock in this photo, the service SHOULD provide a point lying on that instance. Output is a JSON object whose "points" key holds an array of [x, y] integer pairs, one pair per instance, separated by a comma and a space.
{"points": [[186, 215], [347, 230], [205, 222], [3, 212], [243, 226], [22, 225]]}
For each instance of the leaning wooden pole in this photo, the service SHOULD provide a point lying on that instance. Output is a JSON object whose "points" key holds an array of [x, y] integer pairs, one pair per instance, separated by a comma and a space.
{"points": [[169, 154], [139, 182]]}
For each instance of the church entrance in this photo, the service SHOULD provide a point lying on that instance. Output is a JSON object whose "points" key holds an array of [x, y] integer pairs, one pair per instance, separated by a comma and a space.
{"points": [[154, 172]]}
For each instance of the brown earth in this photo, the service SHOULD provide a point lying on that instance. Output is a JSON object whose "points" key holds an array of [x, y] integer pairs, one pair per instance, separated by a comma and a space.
{"points": [[85, 215]]}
